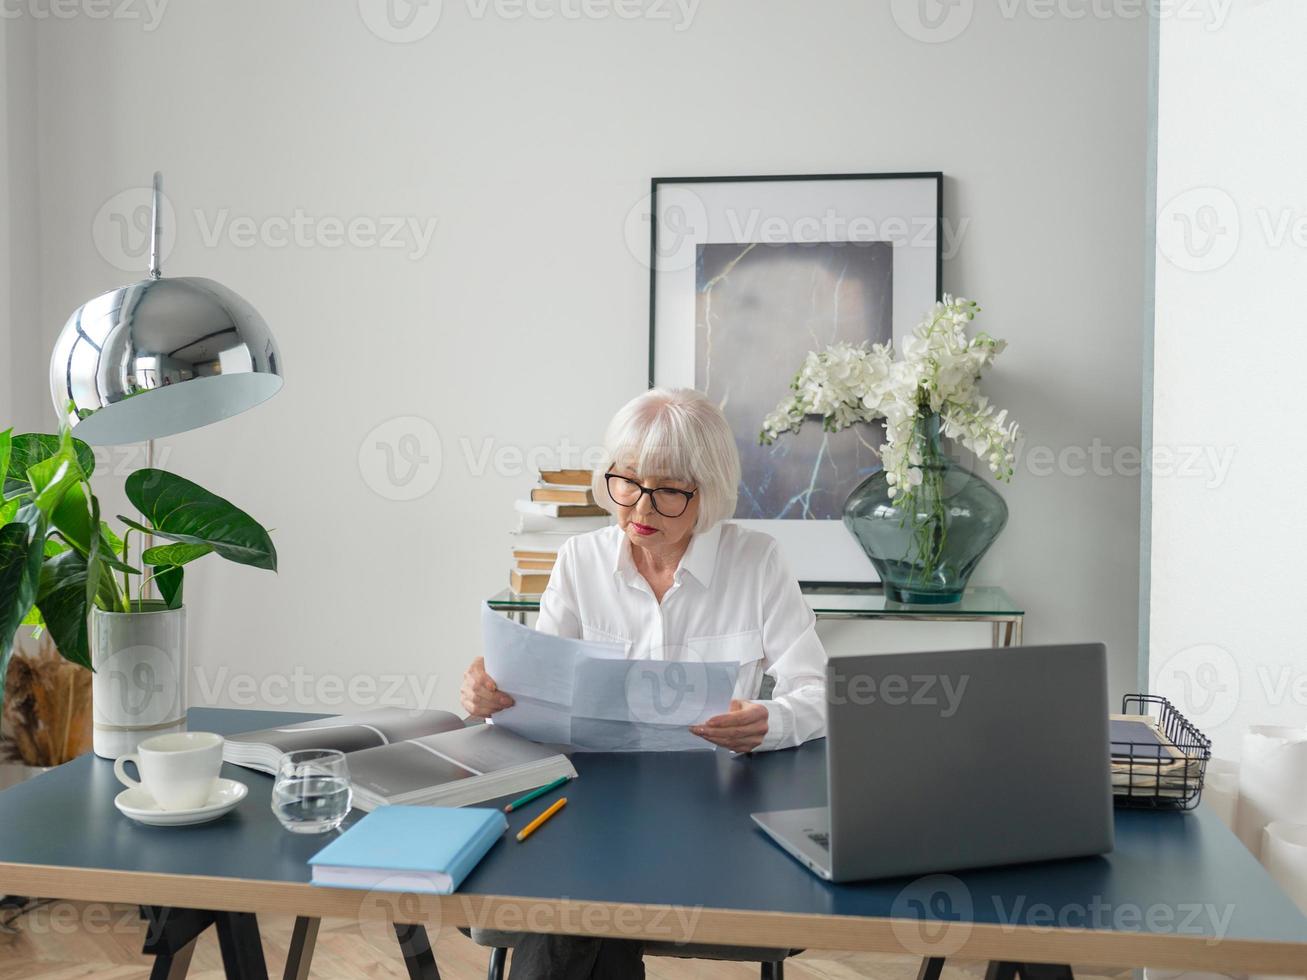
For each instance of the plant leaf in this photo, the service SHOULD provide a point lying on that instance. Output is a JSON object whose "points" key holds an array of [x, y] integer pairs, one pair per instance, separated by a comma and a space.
{"points": [[62, 494], [33, 447], [174, 554], [20, 571], [115, 543], [184, 511], [63, 605], [169, 581], [93, 567], [134, 525], [6, 446]]}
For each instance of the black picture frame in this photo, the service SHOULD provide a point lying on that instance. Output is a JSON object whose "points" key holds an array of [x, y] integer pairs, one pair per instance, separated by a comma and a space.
{"points": [[815, 546]]}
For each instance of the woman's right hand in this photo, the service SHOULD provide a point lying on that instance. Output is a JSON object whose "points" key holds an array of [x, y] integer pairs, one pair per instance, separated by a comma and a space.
{"points": [[480, 696]]}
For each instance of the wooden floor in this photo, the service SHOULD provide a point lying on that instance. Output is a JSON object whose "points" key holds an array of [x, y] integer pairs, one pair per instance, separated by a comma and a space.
{"points": [[64, 940]]}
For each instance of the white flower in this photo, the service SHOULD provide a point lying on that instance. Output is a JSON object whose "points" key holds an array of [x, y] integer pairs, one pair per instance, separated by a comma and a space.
{"points": [[937, 373]]}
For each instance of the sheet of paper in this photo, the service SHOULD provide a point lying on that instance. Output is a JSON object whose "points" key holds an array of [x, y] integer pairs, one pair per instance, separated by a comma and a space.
{"points": [[587, 694]]}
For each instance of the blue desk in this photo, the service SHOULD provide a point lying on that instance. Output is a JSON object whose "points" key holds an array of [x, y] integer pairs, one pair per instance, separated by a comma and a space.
{"points": [[661, 846]]}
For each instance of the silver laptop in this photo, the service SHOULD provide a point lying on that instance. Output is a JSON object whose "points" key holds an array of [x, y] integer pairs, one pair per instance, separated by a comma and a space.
{"points": [[958, 759]]}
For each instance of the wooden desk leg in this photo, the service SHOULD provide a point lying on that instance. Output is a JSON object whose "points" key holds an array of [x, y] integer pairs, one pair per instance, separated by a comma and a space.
{"points": [[995, 634], [303, 940], [242, 950], [931, 967], [416, 947]]}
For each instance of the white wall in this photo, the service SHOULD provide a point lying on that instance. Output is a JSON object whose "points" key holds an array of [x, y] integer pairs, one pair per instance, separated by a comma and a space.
{"points": [[1226, 636], [530, 140], [21, 344]]}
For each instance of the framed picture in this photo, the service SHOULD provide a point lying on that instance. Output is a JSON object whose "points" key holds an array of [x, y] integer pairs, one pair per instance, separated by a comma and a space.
{"points": [[749, 274]]}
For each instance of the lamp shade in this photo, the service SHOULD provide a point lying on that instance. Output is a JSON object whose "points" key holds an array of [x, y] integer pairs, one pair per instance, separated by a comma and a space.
{"points": [[161, 356]]}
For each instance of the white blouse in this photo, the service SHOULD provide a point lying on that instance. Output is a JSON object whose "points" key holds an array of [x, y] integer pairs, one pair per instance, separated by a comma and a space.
{"points": [[732, 599]]}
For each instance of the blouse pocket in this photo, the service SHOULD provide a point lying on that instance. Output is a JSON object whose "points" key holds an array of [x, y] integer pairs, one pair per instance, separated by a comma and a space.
{"points": [[742, 648], [601, 635]]}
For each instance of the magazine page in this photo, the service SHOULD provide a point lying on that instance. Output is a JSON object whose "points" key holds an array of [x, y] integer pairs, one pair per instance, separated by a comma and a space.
{"points": [[353, 732]]}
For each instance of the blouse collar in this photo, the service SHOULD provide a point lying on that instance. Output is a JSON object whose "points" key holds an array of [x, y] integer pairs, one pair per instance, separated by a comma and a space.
{"points": [[700, 558]]}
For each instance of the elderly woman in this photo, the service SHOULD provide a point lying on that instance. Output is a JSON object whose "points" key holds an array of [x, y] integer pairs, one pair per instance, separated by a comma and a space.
{"points": [[671, 581]]}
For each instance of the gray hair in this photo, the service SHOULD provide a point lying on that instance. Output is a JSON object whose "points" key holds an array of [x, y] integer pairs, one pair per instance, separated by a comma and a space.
{"points": [[676, 433]]}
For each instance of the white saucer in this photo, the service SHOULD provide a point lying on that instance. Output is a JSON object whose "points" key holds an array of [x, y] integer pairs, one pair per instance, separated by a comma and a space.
{"points": [[140, 806]]}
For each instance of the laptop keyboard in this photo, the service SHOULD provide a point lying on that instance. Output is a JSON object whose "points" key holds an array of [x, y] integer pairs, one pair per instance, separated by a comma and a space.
{"points": [[820, 838]]}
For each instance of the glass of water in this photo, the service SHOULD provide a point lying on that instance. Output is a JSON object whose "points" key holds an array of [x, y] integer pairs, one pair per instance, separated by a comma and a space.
{"points": [[311, 794]]}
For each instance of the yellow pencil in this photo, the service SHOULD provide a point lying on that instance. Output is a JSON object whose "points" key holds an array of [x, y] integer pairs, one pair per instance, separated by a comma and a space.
{"points": [[534, 825]]}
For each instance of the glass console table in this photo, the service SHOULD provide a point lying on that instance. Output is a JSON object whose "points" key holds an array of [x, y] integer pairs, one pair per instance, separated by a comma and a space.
{"points": [[981, 604]]}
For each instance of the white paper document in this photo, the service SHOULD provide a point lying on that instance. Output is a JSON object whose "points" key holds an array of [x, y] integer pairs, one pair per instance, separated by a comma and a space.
{"points": [[586, 694]]}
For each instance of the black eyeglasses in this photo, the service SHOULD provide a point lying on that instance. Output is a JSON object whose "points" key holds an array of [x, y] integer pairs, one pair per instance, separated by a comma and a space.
{"points": [[667, 501]]}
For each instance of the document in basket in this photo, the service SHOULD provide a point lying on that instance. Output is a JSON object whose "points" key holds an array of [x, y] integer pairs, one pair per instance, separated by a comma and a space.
{"points": [[586, 694]]}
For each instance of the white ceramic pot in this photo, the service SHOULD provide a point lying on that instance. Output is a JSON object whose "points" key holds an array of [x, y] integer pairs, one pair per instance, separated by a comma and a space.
{"points": [[138, 689]]}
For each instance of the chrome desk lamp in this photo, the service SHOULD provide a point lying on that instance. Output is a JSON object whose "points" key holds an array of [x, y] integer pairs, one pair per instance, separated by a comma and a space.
{"points": [[161, 356]]}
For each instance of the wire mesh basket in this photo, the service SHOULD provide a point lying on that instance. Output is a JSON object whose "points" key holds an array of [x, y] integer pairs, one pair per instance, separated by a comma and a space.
{"points": [[1159, 765]]}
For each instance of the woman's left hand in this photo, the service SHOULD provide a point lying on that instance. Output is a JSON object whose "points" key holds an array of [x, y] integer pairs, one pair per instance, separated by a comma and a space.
{"points": [[741, 729]]}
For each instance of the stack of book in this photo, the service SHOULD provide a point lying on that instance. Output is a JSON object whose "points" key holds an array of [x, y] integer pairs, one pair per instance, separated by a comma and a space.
{"points": [[561, 506]]}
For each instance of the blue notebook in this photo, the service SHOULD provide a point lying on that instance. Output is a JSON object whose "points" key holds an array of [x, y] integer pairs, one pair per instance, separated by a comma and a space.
{"points": [[409, 848]]}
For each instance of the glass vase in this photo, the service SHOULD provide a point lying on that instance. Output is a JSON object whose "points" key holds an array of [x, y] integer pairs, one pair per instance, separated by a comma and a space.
{"points": [[926, 542]]}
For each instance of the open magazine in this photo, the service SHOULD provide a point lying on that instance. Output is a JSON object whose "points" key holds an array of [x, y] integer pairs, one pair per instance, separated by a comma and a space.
{"points": [[398, 755]]}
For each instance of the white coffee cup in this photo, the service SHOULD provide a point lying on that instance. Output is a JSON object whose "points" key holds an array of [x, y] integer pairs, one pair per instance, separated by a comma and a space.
{"points": [[180, 770]]}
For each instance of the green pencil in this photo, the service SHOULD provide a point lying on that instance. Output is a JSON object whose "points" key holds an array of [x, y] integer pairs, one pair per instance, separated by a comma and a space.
{"points": [[536, 794]]}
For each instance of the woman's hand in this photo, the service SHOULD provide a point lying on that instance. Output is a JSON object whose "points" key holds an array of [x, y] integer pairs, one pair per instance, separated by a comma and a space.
{"points": [[480, 696], [741, 729]]}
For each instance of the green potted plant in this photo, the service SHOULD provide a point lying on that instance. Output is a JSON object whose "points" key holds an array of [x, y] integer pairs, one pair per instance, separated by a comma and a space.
{"points": [[65, 569]]}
